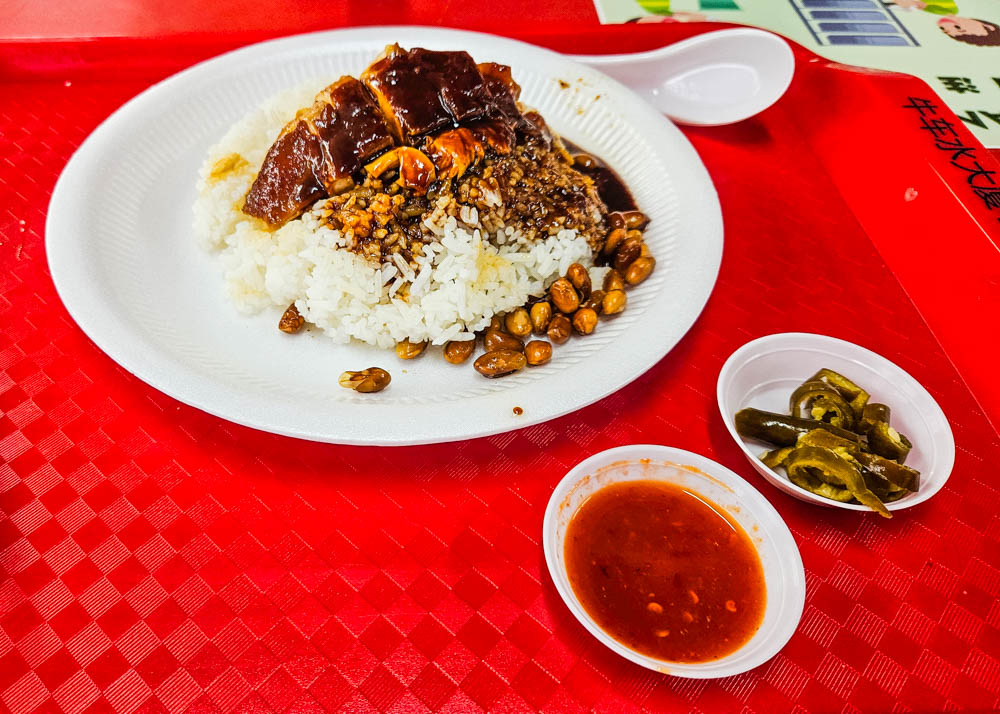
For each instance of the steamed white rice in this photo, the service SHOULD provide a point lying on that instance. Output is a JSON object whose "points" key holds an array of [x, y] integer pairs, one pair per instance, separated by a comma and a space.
{"points": [[465, 276]]}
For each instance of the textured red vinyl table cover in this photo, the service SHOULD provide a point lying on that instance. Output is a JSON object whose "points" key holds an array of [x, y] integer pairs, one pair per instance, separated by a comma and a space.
{"points": [[154, 558]]}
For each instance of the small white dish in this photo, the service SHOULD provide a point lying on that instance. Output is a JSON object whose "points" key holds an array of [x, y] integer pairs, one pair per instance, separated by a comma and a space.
{"points": [[764, 373], [784, 577]]}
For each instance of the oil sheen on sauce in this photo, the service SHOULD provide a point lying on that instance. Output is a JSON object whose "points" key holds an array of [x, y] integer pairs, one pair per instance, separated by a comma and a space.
{"points": [[665, 572]]}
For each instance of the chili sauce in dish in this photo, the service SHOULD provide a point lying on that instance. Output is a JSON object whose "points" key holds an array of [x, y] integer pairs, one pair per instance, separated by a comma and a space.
{"points": [[665, 572]]}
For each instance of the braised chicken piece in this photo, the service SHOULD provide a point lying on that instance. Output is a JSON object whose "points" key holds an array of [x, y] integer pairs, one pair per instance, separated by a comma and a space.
{"points": [[493, 73], [504, 93], [290, 178], [421, 91], [496, 135], [442, 102], [318, 152], [455, 151], [350, 127], [541, 132]]}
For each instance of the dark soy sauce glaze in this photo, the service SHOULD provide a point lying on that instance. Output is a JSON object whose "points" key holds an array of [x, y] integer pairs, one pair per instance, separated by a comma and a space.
{"points": [[609, 184], [665, 573]]}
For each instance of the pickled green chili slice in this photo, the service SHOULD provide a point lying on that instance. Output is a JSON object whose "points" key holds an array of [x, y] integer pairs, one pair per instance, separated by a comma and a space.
{"points": [[895, 495], [882, 438], [877, 484], [813, 485], [781, 429], [872, 414], [845, 448], [895, 473], [776, 458], [817, 471], [808, 464], [855, 395], [888, 443], [881, 487], [818, 400]]}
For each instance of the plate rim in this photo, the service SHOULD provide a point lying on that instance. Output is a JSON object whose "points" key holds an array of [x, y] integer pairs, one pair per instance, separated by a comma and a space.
{"points": [[161, 375]]}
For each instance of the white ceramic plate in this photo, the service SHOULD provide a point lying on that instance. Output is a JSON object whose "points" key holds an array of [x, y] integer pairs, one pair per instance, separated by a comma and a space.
{"points": [[125, 262], [784, 577], [764, 373]]}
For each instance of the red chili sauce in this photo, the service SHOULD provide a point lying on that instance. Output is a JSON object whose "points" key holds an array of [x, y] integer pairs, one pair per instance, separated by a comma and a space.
{"points": [[665, 572]]}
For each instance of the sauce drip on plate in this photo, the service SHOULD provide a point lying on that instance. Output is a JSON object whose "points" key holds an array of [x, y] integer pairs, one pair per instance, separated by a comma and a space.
{"points": [[610, 186], [665, 572]]}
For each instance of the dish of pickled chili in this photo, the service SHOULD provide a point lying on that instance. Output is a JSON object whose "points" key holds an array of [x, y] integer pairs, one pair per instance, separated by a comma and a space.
{"points": [[665, 571], [835, 443]]}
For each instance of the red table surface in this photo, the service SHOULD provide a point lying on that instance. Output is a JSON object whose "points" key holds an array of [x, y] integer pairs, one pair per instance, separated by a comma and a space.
{"points": [[154, 558]]}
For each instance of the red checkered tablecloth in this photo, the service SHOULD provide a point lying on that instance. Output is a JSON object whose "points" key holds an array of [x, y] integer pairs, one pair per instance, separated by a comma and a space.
{"points": [[154, 558]]}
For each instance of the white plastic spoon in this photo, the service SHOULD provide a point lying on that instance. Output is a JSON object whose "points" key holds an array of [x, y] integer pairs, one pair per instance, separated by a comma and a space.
{"points": [[717, 78]]}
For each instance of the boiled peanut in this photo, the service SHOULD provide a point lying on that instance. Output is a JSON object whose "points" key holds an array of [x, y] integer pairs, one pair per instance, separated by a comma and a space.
{"points": [[373, 379], [538, 352], [559, 329], [497, 340], [409, 350], [629, 250], [584, 320], [616, 219], [457, 352], [518, 323], [645, 252], [614, 302], [291, 321], [580, 278], [500, 363], [613, 281], [595, 301], [541, 314], [614, 239], [635, 220], [564, 296], [496, 322], [639, 270]]}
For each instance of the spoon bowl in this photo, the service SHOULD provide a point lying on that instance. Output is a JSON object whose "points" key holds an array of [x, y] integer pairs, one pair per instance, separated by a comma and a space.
{"points": [[719, 77]]}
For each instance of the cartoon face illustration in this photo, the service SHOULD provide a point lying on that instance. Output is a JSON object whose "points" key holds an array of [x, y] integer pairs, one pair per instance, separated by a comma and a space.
{"points": [[970, 30]]}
